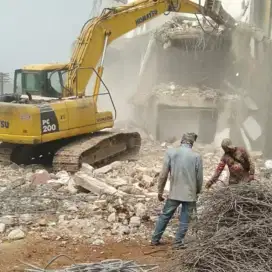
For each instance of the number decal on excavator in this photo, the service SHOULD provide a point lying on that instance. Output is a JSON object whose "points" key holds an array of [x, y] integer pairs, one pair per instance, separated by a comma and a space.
{"points": [[49, 121], [47, 127]]}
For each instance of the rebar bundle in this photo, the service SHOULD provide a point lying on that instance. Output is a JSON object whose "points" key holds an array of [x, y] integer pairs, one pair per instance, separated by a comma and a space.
{"points": [[103, 266], [234, 231]]}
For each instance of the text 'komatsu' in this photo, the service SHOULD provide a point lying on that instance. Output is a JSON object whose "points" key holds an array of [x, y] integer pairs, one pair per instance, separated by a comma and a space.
{"points": [[146, 17]]}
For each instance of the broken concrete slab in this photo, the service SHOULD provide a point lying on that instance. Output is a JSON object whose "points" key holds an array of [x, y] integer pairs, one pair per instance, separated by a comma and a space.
{"points": [[116, 182], [141, 210], [116, 164], [135, 221], [93, 185], [146, 181], [112, 217], [131, 189], [71, 187], [86, 168], [103, 170], [63, 177]]}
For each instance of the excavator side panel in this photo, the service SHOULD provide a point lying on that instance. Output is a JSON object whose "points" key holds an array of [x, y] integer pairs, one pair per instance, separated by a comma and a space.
{"points": [[45, 122], [81, 112], [75, 117], [19, 123]]}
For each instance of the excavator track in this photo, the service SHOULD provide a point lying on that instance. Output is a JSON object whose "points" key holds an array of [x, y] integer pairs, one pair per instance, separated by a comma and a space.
{"points": [[96, 149], [6, 151]]}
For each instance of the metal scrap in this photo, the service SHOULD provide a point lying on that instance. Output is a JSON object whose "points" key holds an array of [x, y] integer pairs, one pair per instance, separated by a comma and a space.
{"points": [[111, 265]]}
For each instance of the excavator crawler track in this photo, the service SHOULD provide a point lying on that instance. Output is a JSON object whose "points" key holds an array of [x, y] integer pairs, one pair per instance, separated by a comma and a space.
{"points": [[96, 149], [6, 151]]}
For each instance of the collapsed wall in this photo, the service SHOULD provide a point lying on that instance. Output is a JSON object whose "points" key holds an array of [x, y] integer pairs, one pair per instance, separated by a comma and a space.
{"points": [[235, 63], [253, 51], [181, 84]]}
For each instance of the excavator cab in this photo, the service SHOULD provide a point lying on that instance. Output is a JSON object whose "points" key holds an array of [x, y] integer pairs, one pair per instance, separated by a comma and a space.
{"points": [[39, 82]]}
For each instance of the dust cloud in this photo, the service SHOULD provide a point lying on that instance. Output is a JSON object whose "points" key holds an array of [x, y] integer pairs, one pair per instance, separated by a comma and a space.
{"points": [[184, 66], [252, 54], [139, 70]]}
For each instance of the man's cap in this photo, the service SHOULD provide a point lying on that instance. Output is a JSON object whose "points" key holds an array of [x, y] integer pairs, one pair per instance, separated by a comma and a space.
{"points": [[189, 137], [227, 143]]}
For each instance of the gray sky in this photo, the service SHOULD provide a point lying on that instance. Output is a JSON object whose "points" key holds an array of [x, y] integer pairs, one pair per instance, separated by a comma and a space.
{"points": [[36, 31]]}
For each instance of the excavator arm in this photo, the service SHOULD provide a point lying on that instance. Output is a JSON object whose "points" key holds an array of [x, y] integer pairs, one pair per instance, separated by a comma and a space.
{"points": [[99, 32]]}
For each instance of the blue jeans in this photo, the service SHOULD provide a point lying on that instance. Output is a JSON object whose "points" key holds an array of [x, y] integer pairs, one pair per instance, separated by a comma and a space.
{"points": [[168, 211]]}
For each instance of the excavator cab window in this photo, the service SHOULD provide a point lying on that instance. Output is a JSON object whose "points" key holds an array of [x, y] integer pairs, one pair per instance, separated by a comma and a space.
{"points": [[41, 83], [54, 84], [28, 81], [17, 86]]}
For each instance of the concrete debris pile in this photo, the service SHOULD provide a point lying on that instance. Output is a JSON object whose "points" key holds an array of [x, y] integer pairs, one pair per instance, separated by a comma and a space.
{"points": [[172, 93], [179, 92], [234, 231], [187, 32], [117, 201]]}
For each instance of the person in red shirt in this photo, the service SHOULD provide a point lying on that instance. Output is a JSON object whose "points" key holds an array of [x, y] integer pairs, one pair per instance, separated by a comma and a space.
{"points": [[238, 160]]}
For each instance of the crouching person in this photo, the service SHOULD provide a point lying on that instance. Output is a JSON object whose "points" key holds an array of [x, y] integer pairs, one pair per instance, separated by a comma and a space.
{"points": [[239, 162], [186, 178]]}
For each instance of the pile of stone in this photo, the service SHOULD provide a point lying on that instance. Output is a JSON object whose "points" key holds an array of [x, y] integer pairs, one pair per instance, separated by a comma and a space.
{"points": [[187, 32], [180, 92], [117, 201]]}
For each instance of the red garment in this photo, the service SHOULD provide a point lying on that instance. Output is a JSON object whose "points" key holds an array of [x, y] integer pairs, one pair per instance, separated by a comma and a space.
{"points": [[240, 166]]}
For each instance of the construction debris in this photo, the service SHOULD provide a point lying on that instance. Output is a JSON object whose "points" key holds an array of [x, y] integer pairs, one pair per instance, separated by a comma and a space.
{"points": [[106, 265], [119, 204], [233, 230], [186, 85], [185, 33], [16, 234]]}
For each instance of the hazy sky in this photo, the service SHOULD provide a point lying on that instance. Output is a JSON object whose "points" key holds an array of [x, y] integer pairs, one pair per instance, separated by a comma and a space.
{"points": [[37, 31]]}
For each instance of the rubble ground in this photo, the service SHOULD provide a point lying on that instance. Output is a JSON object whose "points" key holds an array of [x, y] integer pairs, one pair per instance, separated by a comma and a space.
{"points": [[39, 252], [43, 214]]}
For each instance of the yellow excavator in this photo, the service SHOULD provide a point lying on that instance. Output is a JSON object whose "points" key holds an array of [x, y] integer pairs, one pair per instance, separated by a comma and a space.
{"points": [[49, 117]]}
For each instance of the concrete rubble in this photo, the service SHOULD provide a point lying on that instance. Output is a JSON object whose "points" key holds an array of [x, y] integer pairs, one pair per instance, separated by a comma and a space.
{"points": [[117, 201]]}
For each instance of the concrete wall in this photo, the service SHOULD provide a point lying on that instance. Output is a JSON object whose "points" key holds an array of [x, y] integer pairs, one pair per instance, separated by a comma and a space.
{"points": [[185, 68], [254, 67], [260, 15]]}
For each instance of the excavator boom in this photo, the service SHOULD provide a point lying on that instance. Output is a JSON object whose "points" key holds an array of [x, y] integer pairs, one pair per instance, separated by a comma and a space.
{"points": [[99, 32]]}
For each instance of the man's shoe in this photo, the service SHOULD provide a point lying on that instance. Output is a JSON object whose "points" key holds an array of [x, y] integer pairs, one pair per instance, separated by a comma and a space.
{"points": [[157, 243], [179, 245]]}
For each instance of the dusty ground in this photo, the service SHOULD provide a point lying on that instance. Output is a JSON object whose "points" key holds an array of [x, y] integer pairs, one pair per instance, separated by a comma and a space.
{"points": [[39, 252], [53, 220]]}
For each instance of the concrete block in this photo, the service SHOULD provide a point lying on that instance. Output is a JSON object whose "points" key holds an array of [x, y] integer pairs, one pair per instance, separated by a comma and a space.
{"points": [[93, 185]]}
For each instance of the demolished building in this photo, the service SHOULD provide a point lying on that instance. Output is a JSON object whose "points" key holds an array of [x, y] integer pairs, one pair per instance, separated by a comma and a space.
{"points": [[182, 89], [191, 57]]}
